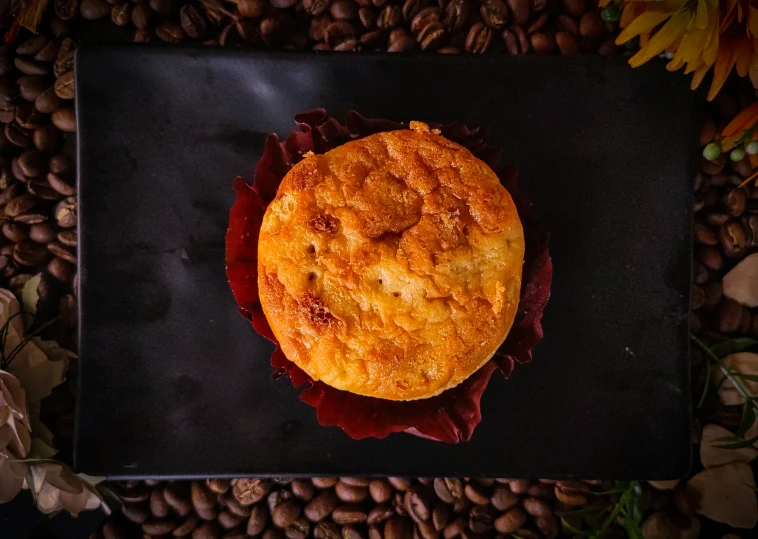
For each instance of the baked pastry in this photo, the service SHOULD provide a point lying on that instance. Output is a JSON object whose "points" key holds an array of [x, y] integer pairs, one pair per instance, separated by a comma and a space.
{"points": [[390, 266]]}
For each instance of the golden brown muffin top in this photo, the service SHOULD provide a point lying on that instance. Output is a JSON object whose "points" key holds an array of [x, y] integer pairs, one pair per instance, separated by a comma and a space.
{"points": [[391, 265]]}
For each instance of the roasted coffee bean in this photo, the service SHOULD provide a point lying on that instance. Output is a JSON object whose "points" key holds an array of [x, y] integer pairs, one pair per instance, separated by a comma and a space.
{"points": [[732, 237], [367, 16], [511, 520], [276, 497], [229, 500], [47, 139], [568, 25], [448, 489], [93, 10], [31, 86], [735, 201], [255, 8], [575, 8], [715, 219], [121, 14], [218, 486], [158, 506], [257, 521], [425, 530], [17, 172], [503, 499], [326, 530], [339, 32], [28, 253], [66, 9], [516, 40], [64, 119], [343, 10], [379, 513], [380, 491], [412, 7], [324, 482], [19, 205], [431, 36], [6, 60], [207, 530], [32, 46], [28, 117], [426, 16], [15, 232], [33, 163], [302, 489], [481, 518], [43, 233], [48, 53], [591, 25], [536, 507], [389, 17], [164, 7], [285, 514], [400, 483], [686, 499], [170, 32], [494, 13], [28, 66], [41, 189], [711, 258], [202, 498], [65, 215], [61, 270], [417, 504], [567, 44], [64, 63], [541, 43], [194, 22], [398, 528], [537, 24], [206, 513], [353, 532], [187, 527], [441, 517], [31, 217], [476, 494], [349, 514], [548, 527], [229, 520], [457, 13], [7, 113], [142, 16], [9, 193], [8, 89], [571, 493], [729, 315], [479, 38], [321, 506], [135, 513], [60, 164], [299, 529], [249, 491], [400, 41]]}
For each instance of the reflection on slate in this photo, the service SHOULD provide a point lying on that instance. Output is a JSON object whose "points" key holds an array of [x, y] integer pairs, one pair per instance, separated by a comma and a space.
{"points": [[174, 382]]}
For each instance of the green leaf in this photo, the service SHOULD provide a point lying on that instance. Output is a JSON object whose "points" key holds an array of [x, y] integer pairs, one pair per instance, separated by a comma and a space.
{"points": [[748, 418], [581, 512], [732, 346], [751, 377], [739, 443], [706, 386], [568, 528]]}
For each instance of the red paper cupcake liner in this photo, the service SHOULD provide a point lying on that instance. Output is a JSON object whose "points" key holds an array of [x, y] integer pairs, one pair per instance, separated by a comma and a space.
{"points": [[449, 417]]}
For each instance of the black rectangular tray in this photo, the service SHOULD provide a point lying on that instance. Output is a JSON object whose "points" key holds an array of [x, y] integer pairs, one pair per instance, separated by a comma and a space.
{"points": [[174, 382]]}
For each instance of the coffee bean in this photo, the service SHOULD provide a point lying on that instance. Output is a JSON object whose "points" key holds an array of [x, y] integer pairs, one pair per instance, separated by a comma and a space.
{"points": [[389, 17], [229, 520], [64, 119], [28, 117], [398, 528], [283, 4], [17, 172], [43, 233], [517, 486], [567, 45], [380, 491], [48, 53], [19, 205], [135, 513], [7, 113], [32, 46], [207, 530], [503, 499], [728, 315], [412, 7], [511, 520], [349, 514], [66, 9], [93, 10], [592, 26], [476, 494], [608, 46], [575, 8], [249, 491], [448, 489], [431, 36], [47, 139], [218, 486], [732, 237], [494, 13], [482, 518], [60, 164], [536, 507], [735, 201], [9, 193], [400, 41], [121, 15], [715, 219], [158, 506], [202, 498], [302, 489], [15, 232], [516, 40], [542, 44], [255, 8], [378, 514], [441, 517], [548, 527], [285, 514], [568, 25], [41, 189], [416, 502], [744, 168], [339, 32], [28, 253], [8, 89], [30, 67], [32, 163], [31, 86], [537, 24], [64, 63], [32, 217], [326, 530], [164, 7], [65, 215], [187, 527], [399, 483], [299, 529], [321, 506], [142, 16], [479, 38], [6, 60], [457, 13], [65, 253], [170, 32], [543, 491], [194, 22], [344, 10]]}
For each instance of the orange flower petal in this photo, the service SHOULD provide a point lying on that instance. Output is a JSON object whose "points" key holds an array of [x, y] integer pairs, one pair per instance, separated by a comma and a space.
{"points": [[699, 75], [673, 29], [744, 120], [744, 54], [642, 25]]}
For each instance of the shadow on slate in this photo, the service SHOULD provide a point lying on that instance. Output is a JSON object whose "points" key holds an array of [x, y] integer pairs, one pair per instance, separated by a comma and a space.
{"points": [[174, 382]]}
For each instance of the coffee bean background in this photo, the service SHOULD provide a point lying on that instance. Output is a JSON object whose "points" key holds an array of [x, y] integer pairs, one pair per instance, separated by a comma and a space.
{"points": [[38, 210]]}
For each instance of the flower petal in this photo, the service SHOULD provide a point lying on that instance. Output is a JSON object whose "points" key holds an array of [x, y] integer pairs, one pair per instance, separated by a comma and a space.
{"points": [[673, 29], [744, 120], [642, 25]]}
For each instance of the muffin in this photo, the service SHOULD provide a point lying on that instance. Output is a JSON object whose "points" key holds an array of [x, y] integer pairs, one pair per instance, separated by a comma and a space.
{"points": [[390, 266]]}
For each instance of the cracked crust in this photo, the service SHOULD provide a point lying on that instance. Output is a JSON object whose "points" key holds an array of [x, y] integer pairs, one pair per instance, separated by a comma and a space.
{"points": [[391, 266]]}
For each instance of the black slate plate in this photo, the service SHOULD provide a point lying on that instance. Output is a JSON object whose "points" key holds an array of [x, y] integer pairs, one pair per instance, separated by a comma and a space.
{"points": [[174, 382]]}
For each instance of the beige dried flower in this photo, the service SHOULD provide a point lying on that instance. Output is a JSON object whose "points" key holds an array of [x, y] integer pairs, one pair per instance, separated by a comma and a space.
{"points": [[55, 487], [12, 474], [15, 430], [745, 363]]}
